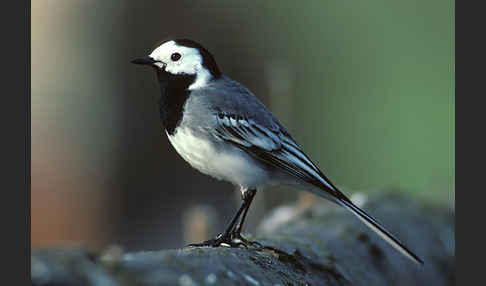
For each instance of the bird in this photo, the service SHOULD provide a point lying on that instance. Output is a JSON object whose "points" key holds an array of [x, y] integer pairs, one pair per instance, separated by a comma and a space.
{"points": [[223, 130]]}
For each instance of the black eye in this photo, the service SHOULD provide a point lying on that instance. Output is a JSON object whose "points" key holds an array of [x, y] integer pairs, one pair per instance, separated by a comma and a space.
{"points": [[175, 57]]}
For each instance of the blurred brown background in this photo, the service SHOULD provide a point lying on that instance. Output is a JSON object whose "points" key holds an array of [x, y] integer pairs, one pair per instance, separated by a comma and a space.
{"points": [[366, 87]]}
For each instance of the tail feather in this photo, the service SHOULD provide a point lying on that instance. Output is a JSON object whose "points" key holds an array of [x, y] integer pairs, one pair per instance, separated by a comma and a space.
{"points": [[381, 231]]}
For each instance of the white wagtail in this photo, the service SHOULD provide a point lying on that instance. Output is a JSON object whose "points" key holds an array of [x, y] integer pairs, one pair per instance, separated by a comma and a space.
{"points": [[220, 128]]}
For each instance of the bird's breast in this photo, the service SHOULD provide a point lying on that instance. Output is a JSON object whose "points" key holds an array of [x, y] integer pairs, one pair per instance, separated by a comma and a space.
{"points": [[222, 162]]}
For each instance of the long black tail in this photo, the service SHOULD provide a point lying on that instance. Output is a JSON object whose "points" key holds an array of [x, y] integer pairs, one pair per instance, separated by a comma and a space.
{"points": [[381, 231]]}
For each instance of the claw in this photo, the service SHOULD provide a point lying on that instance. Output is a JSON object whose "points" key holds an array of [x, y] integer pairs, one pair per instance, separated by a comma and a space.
{"points": [[244, 241], [233, 240], [220, 240]]}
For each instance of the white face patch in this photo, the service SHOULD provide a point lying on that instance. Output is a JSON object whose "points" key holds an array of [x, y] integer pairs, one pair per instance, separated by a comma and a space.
{"points": [[189, 63]]}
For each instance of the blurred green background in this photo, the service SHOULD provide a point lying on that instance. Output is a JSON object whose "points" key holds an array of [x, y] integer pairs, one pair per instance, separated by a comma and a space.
{"points": [[366, 87]]}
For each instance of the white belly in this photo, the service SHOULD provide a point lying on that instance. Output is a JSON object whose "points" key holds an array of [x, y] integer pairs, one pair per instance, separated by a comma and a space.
{"points": [[232, 164]]}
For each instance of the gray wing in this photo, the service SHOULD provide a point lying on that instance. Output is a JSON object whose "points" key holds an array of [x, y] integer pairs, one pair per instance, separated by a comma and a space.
{"points": [[273, 147], [242, 120]]}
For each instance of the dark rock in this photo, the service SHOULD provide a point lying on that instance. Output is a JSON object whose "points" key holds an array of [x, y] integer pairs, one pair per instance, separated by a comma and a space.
{"points": [[315, 248]]}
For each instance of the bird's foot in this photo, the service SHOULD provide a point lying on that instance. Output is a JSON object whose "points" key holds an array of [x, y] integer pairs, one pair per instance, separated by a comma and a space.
{"points": [[232, 240], [220, 240], [237, 237]]}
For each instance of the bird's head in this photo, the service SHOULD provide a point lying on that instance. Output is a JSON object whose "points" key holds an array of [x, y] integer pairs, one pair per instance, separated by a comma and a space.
{"points": [[181, 59]]}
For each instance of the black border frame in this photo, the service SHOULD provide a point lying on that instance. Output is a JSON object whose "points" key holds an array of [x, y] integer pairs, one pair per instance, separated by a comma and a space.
{"points": [[16, 140]]}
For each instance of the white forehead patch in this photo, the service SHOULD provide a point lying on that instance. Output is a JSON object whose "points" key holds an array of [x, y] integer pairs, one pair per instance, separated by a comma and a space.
{"points": [[190, 62]]}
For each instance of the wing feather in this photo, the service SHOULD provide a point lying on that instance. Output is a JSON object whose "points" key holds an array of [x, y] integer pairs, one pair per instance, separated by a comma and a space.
{"points": [[273, 147]]}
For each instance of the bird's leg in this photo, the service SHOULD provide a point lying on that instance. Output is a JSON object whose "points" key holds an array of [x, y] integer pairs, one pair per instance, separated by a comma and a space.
{"points": [[236, 233], [226, 237], [248, 198], [231, 226]]}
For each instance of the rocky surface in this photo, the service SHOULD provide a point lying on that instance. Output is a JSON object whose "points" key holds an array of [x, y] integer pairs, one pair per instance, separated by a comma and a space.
{"points": [[322, 245]]}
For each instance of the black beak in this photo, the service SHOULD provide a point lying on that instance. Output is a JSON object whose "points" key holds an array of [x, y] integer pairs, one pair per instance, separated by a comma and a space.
{"points": [[143, 61]]}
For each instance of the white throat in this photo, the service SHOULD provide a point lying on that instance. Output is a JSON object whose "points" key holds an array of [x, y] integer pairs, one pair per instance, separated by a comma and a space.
{"points": [[203, 76]]}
